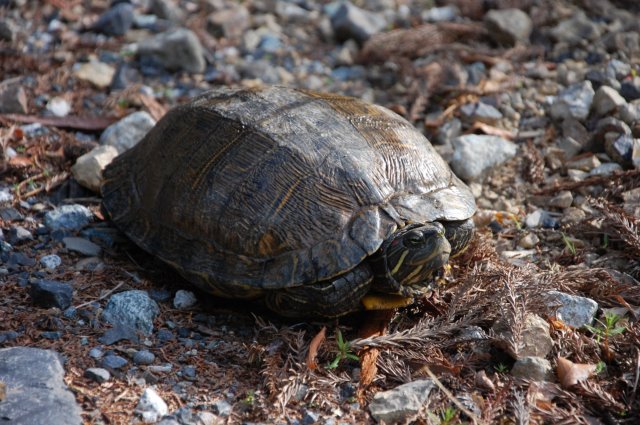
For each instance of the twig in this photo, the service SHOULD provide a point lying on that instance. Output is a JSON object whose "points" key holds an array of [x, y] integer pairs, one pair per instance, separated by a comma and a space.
{"points": [[101, 297], [449, 395]]}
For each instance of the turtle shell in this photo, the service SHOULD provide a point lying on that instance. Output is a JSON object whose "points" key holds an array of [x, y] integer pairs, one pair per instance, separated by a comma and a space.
{"points": [[258, 189]]}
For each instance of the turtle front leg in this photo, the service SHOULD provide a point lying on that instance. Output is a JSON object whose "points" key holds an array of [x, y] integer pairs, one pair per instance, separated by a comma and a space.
{"points": [[330, 298]]}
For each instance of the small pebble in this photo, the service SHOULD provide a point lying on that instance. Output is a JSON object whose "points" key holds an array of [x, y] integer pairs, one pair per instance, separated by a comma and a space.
{"points": [[51, 262], [143, 357], [97, 374]]}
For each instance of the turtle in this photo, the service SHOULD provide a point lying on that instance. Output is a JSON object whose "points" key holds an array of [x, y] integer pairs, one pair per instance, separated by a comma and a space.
{"points": [[316, 204]]}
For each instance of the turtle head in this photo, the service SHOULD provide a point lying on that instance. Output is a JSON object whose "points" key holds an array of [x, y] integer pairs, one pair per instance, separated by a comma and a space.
{"points": [[409, 259]]}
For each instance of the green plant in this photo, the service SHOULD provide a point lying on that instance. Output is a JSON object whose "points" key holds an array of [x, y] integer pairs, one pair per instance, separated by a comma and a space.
{"points": [[250, 398], [448, 415], [501, 368], [344, 351], [606, 330], [569, 245]]}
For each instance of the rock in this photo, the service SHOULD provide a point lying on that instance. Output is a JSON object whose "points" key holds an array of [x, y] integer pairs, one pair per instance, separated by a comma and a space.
{"points": [[626, 41], [536, 219], [8, 30], [151, 406], [630, 89], [482, 112], [572, 215], [577, 29], [88, 168], [143, 357], [115, 21], [229, 23], [132, 308], [605, 169], [126, 133], [570, 146], [58, 107], [112, 361], [97, 374], [50, 293], [508, 26], [222, 407], [474, 155], [533, 368], [10, 214], [630, 113], [621, 149], [563, 199], [535, 339], [440, 14], [184, 300], [5, 196], [118, 333], [19, 234], [448, 131], [587, 163], [351, 22], [607, 100], [13, 98], [574, 101], [82, 245], [35, 389], [616, 69], [165, 9], [310, 418], [176, 49], [529, 241], [68, 217], [97, 73], [401, 402], [51, 261], [573, 310]]}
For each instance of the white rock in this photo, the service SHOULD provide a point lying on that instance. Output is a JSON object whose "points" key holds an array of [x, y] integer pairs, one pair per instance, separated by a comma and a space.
{"points": [[401, 402], [563, 199], [607, 100], [51, 261], [58, 107], [127, 132], [184, 299], [97, 73], [574, 101], [473, 154], [534, 368], [151, 406], [573, 310], [88, 168]]}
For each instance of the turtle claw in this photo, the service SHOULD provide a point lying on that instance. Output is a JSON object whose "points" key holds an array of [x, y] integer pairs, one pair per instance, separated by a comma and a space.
{"points": [[385, 301]]}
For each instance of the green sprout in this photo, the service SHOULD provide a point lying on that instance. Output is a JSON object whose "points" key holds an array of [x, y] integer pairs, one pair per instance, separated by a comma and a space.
{"points": [[448, 415], [344, 351], [607, 328], [501, 368], [569, 245], [250, 398]]}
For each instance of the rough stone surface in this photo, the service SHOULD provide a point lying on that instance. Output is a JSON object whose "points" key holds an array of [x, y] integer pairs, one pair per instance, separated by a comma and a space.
{"points": [[127, 132], [607, 100], [82, 246], [51, 261], [115, 21], [97, 73], [151, 407], [97, 374], [349, 21], [229, 23], [508, 26], [35, 390], [184, 300], [401, 402], [535, 337], [68, 217], [470, 160], [49, 293], [574, 101], [88, 168], [534, 368], [132, 308], [576, 29], [13, 97], [177, 49], [143, 357], [573, 310]]}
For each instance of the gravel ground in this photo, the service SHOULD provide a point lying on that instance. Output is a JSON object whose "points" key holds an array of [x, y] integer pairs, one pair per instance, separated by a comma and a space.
{"points": [[534, 103]]}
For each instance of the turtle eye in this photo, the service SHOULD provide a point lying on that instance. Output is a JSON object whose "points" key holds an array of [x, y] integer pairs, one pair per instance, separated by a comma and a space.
{"points": [[413, 239]]}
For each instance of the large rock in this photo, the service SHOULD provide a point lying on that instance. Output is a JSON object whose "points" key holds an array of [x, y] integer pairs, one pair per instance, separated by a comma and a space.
{"points": [[401, 402], [88, 168], [126, 133], [35, 390], [473, 155], [133, 309], [177, 49], [508, 26]]}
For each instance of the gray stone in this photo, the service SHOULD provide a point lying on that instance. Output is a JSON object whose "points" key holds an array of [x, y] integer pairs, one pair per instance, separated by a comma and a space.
{"points": [[143, 357], [51, 261], [151, 407], [165, 9], [19, 234], [621, 149], [481, 112], [50, 293], [13, 97], [574, 129], [184, 299], [535, 338], [229, 23], [607, 100], [577, 29], [605, 169], [82, 246], [401, 402], [563, 199], [630, 89], [68, 217], [536, 219], [176, 49], [309, 417], [349, 21], [118, 333], [474, 155], [35, 389], [99, 74], [529, 241], [440, 14], [508, 26], [5, 196], [132, 308], [617, 69], [573, 310], [221, 407], [115, 21], [448, 131], [112, 361], [97, 374], [88, 168], [8, 29], [629, 113], [584, 164], [569, 146], [533, 368], [126, 133], [574, 101]]}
